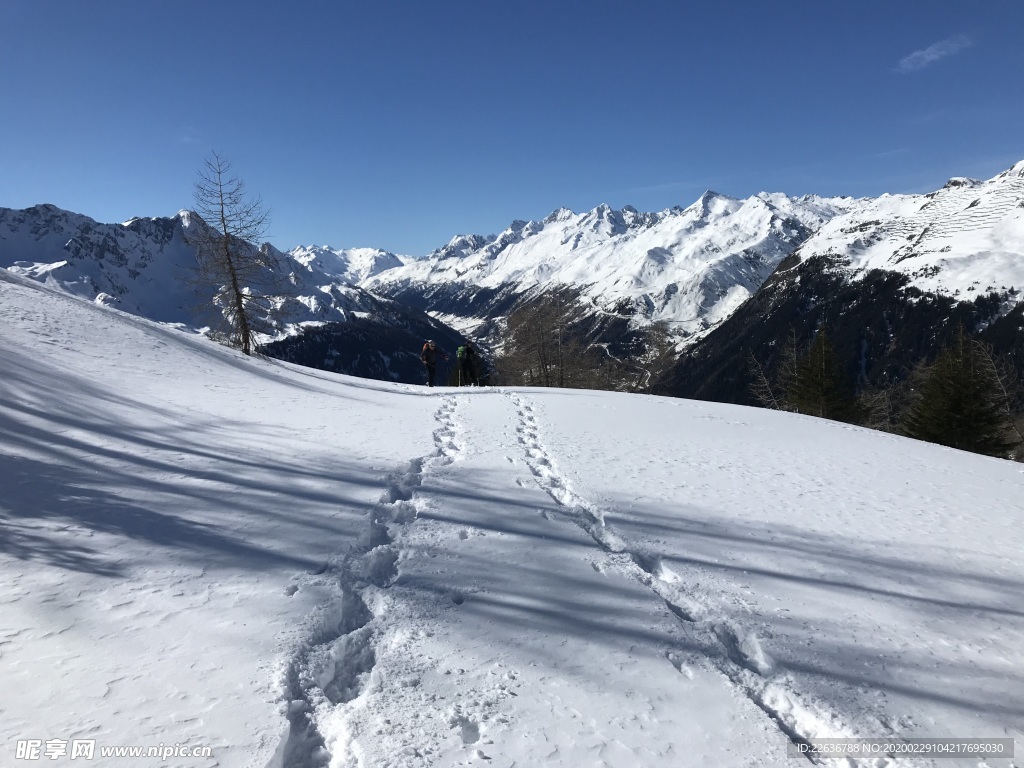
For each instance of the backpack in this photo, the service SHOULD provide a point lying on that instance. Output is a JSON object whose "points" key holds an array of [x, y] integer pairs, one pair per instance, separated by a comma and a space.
{"points": [[460, 352]]}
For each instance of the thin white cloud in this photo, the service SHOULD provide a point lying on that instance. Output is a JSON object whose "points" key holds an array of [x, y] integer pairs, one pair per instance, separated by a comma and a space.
{"points": [[933, 53], [187, 135]]}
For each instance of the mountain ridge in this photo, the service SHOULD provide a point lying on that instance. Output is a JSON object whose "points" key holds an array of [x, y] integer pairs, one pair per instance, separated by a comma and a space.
{"points": [[689, 266], [146, 267], [891, 283], [692, 268]]}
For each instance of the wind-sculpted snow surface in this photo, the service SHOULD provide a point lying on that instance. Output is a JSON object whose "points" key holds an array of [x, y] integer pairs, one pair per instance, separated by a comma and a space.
{"points": [[303, 570]]}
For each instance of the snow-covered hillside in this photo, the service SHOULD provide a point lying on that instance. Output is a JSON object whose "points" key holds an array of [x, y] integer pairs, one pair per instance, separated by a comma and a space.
{"points": [[691, 267], [300, 569], [965, 239]]}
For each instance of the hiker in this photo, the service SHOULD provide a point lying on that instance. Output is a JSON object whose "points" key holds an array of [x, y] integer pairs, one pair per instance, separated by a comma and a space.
{"points": [[467, 365], [429, 359]]}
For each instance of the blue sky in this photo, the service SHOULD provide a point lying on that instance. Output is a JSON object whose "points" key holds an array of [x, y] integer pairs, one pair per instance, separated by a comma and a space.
{"points": [[400, 124]]}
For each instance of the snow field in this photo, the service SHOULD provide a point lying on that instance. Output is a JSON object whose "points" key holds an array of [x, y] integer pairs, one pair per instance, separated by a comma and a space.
{"points": [[300, 569], [160, 495], [535, 632], [869, 584]]}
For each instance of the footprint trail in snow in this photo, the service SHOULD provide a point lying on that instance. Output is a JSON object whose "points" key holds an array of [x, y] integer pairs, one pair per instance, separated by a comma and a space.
{"points": [[329, 672], [736, 653]]}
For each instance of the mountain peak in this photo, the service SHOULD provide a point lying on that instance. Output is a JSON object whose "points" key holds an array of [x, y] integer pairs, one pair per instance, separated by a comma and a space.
{"points": [[461, 245], [958, 182], [559, 214], [708, 202], [1016, 171]]}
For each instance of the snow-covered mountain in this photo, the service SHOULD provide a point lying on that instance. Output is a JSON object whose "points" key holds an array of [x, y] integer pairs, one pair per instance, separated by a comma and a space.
{"points": [[890, 280], [141, 266], [694, 268], [347, 265], [691, 267], [967, 237], [294, 569], [146, 267]]}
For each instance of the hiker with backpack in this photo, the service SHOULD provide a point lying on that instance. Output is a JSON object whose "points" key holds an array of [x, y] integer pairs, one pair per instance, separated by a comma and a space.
{"points": [[429, 359], [467, 357]]}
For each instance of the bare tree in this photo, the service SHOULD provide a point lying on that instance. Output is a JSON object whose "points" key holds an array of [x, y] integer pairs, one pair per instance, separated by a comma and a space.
{"points": [[883, 406], [770, 390], [542, 348], [761, 386], [244, 276]]}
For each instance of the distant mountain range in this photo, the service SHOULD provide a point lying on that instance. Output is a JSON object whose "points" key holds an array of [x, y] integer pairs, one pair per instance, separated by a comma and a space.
{"points": [[891, 280], [967, 237], [722, 273], [689, 267], [146, 267]]}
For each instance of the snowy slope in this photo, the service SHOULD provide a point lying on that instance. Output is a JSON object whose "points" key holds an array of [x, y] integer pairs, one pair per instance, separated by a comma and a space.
{"points": [[966, 237], [302, 569], [690, 266]]}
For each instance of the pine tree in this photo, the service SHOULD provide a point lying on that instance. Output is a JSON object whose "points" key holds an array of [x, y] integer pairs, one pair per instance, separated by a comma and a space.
{"points": [[961, 401], [819, 386]]}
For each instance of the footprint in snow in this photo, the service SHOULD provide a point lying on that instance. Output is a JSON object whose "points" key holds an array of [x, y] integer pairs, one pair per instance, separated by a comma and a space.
{"points": [[468, 729]]}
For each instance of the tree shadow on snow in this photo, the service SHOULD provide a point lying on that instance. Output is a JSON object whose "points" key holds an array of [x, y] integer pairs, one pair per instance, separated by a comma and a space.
{"points": [[872, 616], [100, 466]]}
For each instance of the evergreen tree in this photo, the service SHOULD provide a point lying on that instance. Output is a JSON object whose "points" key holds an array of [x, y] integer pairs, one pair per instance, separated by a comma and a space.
{"points": [[961, 401], [819, 385]]}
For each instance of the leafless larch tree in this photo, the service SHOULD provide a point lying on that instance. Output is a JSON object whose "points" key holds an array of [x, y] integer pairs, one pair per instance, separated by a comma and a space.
{"points": [[244, 276]]}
